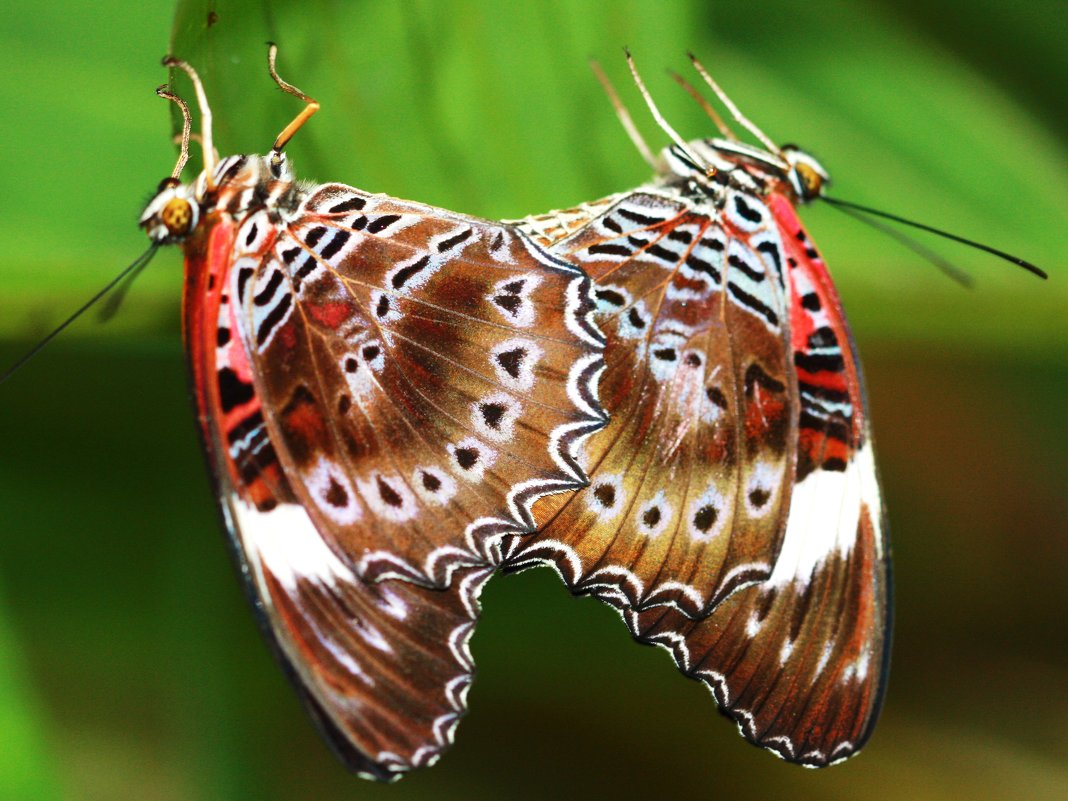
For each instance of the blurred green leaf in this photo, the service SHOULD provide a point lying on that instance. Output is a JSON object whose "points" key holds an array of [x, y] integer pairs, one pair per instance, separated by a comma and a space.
{"points": [[27, 770], [491, 110]]}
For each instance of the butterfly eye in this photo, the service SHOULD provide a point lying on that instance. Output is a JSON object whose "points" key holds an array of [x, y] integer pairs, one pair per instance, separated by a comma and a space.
{"points": [[177, 216], [809, 181]]}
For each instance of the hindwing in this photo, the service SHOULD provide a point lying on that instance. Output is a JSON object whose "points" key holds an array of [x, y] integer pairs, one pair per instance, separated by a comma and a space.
{"points": [[690, 481], [800, 661], [787, 620], [425, 377], [383, 390]]}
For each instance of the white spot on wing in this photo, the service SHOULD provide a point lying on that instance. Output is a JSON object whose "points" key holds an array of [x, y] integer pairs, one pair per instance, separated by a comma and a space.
{"points": [[709, 504], [764, 483], [286, 541], [662, 515], [503, 411], [524, 362], [824, 518], [333, 492], [378, 490], [442, 486], [605, 497]]}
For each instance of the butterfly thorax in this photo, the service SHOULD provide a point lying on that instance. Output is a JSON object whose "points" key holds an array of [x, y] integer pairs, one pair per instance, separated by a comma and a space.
{"points": [[237, 186], [723, 166]]}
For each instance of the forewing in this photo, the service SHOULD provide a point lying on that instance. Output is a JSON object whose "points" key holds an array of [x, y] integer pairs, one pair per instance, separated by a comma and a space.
{"points": [[426, 376], [800, 661], [689, 481], [383, 669]]}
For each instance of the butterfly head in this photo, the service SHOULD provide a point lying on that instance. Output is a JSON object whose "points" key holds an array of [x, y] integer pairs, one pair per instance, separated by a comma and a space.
{"points": [[806, 175], [236, 184], [713, 164], [172, 214]]}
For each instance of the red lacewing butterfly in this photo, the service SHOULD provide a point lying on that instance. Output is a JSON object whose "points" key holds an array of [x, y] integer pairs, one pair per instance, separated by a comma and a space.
{"points": [[384, 389], [734, 514]]}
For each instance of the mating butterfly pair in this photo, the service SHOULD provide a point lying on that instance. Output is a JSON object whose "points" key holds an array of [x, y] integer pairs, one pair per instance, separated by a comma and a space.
{"points": [[654, 393]]}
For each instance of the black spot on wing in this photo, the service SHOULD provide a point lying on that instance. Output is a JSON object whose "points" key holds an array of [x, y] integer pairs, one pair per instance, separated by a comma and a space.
{"points": [[737, 262], [467, 457], [314, 235], [510, 303], [404, 273], [389, 495], [352, 204], [815, 362], [274, 316], [745, 211], [380, 224], [611, 297], [233, 392], [335, 245], [511, 360], [263, 297], [336, 495], [757, 376], [605, 495], [492, 414], [751, 303], [705, 518], [716, 396], [453, 241], [382, 308], [638, 217], [609, 249]]}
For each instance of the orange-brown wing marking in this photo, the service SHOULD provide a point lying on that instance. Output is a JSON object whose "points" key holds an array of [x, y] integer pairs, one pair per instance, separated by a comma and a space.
{"points": [[384, 670], [425, 376], [800, 661], [689, 481]]}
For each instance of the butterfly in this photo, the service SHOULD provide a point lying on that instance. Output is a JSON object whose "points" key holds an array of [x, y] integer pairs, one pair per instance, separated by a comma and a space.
{"points": [[733, 514], [384, 389]]}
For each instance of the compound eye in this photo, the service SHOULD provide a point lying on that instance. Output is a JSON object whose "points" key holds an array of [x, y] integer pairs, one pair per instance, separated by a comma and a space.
{"points": [[811, 182], [177, 216]]}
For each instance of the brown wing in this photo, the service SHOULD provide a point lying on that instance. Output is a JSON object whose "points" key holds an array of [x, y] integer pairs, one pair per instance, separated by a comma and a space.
{"points": [[800, 661], [689, 491], [425, 376], [384, 669]]}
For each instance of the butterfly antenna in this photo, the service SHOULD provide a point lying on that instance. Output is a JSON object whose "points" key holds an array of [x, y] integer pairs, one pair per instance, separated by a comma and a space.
{"points": [[309, 109], [187, 126], [735, 112], [949, 270], [623, 114], [713, 115], [137, 264], [663, 123], [843, 204], [205, 115]]}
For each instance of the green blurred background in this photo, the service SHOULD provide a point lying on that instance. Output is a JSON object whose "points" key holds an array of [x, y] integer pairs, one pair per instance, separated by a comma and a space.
{"points": [[130, 667]]}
